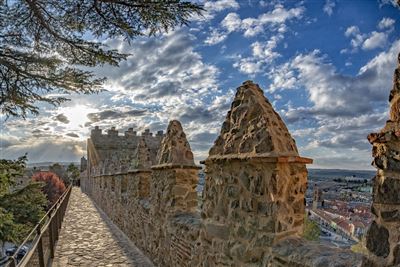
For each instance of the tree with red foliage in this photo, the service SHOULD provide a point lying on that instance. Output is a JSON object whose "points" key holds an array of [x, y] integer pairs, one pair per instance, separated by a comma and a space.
{"points": [[54, 186]]}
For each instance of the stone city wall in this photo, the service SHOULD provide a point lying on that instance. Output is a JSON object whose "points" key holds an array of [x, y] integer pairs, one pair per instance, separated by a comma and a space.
{"points": [[252, 205]]}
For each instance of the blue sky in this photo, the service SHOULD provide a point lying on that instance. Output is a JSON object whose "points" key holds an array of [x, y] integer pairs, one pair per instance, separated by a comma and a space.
{"points": [[325, 65]]}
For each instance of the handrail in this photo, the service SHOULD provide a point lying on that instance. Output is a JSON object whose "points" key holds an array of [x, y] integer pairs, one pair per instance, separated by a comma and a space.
{"points": [[51, 222]]}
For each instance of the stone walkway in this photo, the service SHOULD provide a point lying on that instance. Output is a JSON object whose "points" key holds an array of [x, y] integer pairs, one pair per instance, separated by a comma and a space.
{"points": [[89, 238]]}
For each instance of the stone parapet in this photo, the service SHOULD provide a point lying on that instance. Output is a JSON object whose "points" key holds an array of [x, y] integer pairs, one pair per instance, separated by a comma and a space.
{"points": [[253, 200]]}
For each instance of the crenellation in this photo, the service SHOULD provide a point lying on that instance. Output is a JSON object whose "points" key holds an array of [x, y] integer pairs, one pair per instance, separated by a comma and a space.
{"points": [[252, 208], [160, 133], [147, 133], [112, 132], [96, 132], [130, 133]]}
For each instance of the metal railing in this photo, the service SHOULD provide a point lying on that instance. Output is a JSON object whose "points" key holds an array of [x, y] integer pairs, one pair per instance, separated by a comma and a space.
{"points": [[42, 239]]}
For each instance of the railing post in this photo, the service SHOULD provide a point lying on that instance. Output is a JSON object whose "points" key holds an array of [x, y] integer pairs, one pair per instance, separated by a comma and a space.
{"points": [[12, 263], [40, 248], [51, 236]]}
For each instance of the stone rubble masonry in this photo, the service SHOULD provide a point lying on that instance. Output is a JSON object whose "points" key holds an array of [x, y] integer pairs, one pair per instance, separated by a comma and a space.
{"points": [[383, 236], [175, 149], [111, 153], [252, 127], [254, 186], [173, 199], [252, 206]]}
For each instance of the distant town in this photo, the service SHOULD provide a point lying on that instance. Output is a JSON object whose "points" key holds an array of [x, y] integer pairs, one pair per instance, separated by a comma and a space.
{"points": [[339, 201]]}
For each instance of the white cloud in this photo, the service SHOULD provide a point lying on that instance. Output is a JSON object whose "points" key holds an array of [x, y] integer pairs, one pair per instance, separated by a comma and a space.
{"points": [[214, 7], [332, 93], [263, 54], [388, 2], [368, 41], [351, 31], [219, 5], [357, 38], [231, 22], [164, 78], [344, 109], [386, 23], [248, 66], [274, 20], [215, 37], [376, 39], [253, 26], [329, 6]]}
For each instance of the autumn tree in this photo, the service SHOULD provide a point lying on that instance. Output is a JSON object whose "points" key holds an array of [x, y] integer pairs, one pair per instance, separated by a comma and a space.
{"points": [[60, 171], [53, 186], [45, 43], [20, 209]]}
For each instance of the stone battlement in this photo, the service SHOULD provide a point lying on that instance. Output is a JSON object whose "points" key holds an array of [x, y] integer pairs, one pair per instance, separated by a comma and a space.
{"points": [[110, 153], [251, 211], [98, 133]]}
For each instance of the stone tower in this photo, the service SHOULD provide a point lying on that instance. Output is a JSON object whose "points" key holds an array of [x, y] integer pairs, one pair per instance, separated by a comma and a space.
{"points": [[383, 235], [317, 197], [83, 164], [254, 186]]}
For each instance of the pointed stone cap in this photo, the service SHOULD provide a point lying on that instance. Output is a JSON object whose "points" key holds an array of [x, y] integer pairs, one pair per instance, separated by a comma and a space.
{"points": [[175, 149], [391, 130], [394, 97], [252, 128], [141, 159]]}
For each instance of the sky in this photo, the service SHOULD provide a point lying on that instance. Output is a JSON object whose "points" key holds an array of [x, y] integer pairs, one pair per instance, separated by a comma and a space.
{"points": [[325, 65]]}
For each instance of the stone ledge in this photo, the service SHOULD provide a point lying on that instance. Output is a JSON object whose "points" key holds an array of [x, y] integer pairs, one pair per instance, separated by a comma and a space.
{"points": [[266, 157], [299, 252], [174, 166], [123, 173]]}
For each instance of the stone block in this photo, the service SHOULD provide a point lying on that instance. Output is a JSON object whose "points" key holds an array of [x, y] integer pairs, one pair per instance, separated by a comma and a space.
{"points": [[220, 231], [179, 190], [378, 240], [391, 216], [386, 191]]}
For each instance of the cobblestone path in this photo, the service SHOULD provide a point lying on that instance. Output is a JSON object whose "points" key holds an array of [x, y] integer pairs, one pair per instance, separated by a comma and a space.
{"points": [[89, 238]]}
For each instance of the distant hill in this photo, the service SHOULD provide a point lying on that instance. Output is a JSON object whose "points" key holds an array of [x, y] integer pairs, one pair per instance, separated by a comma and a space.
{"points": [[321, 174], [46, 164]]}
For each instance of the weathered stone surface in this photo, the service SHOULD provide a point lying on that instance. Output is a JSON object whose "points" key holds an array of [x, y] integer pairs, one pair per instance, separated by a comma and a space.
{"points": [[254, 186], [142, 158], [383, 235], [299, 252], [175, 148], [386, 190], [220, 231], [253, 127], [378, 240], [253, 195], [112, 153], [391, 216], [396, 255]]}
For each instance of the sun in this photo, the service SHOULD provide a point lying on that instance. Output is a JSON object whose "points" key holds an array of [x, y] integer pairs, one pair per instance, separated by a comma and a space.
{"points": [[77, 116]]}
